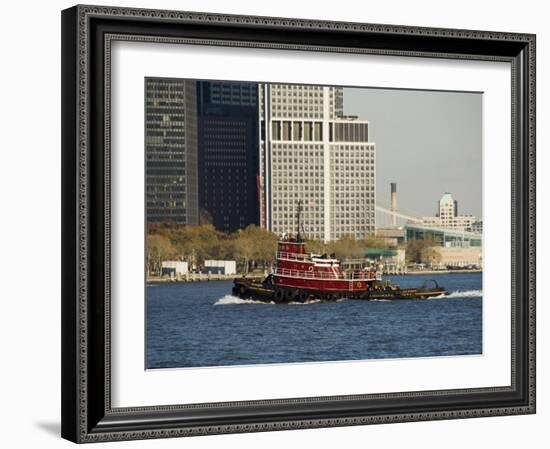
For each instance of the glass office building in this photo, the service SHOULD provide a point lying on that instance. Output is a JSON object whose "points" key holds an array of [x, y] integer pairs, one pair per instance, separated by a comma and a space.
{"points": [[171, 151]]}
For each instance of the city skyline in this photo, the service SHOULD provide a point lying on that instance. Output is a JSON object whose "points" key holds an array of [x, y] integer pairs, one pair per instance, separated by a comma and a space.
{"points": [[238, 153]]}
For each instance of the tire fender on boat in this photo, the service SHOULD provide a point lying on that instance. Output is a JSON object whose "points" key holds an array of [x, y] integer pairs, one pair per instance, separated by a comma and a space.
{"points": [[279, 295]]}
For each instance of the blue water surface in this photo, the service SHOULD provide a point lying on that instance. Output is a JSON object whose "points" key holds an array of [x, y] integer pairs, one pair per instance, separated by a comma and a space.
{"points": [[201, 324]]}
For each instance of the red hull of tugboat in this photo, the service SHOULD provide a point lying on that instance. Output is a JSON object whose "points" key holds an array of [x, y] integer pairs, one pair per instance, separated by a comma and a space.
{"points": [[342, 286]]}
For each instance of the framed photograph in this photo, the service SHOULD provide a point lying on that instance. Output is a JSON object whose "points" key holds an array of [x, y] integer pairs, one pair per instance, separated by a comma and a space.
{"points": [[276, 224]]}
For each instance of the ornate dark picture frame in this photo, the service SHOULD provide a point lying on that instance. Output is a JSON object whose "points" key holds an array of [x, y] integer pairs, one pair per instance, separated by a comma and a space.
{"points": [[87, 33]]}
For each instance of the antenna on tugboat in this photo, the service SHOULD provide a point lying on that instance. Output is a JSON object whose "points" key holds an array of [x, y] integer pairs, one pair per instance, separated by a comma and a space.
{"points": [[299, 211]]}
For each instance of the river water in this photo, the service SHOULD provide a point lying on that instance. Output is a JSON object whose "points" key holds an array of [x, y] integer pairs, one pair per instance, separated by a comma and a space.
{"points": [[201, 324]]}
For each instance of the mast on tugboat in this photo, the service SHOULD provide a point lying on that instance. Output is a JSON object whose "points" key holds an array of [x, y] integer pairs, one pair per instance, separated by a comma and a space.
{"points": [[298, 212]]}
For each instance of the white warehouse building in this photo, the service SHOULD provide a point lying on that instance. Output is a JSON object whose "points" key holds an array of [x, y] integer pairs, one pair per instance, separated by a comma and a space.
{"points": [[175, 267], [220, 266]]}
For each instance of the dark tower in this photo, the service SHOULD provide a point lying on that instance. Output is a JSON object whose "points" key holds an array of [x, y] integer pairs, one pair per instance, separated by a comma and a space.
{"points": [[228, 153]]}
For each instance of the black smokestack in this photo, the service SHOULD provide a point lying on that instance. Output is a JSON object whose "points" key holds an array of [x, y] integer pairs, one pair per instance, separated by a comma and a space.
{"points": [[393, 206]]}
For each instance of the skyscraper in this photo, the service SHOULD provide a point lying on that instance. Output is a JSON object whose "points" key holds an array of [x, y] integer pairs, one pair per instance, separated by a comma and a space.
{"points": [[311, 151], [228, 153], [171, 151]]}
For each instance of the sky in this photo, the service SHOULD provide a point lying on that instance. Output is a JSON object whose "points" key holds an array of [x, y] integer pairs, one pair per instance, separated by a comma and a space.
{"points": [[428, 142]]}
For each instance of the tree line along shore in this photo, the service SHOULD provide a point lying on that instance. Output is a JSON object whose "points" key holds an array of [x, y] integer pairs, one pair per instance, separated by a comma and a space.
{"points": [[254, 248]]}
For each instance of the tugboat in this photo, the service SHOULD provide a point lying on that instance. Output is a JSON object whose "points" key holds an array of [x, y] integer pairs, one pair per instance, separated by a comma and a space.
{"points": [[299, 277]]}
